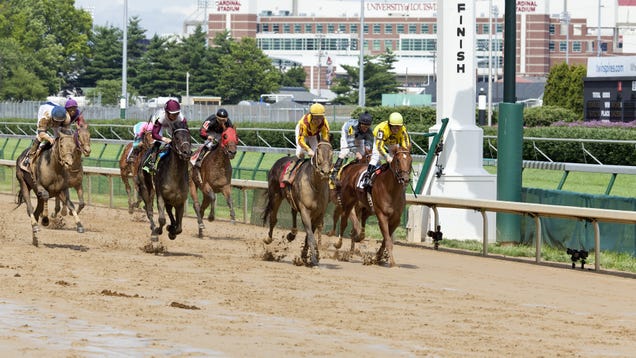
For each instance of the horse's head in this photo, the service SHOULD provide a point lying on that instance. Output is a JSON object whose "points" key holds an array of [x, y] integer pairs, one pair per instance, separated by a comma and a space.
{"points": [[64, 146], [322, 160], [83, 140], [181, 141], [401, 164], [229, 140]]}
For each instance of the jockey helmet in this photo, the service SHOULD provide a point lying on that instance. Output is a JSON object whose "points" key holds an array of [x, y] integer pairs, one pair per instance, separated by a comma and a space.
{"points": [[317, 109], [395, 119], [221, 113], [172, 106], [365, 118], [58, 113], [70, 103]]}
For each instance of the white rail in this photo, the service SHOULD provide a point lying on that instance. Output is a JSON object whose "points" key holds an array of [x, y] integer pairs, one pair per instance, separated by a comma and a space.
{"points": [[536, 211]]}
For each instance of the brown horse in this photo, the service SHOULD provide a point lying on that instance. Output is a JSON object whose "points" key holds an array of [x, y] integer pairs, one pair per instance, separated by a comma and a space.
{"points": [[127, 170], [308, 194], [76, 171], [169, 184], [52, 167], [386, 200], [216, 176]]}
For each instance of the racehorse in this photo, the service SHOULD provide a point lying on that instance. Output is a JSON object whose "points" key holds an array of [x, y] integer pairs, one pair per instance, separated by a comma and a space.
{"points": [[307, 194], [127, 169], [52, 168], [169, 184], [216, 176], [76, 171], [386, 200]]}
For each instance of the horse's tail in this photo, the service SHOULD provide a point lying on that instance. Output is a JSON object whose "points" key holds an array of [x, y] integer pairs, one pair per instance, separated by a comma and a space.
{"points": [[268, 206], [19, 199]]}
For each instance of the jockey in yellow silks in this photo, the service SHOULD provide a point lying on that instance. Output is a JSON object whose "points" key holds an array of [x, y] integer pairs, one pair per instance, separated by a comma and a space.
{"points": [[386, 134]]}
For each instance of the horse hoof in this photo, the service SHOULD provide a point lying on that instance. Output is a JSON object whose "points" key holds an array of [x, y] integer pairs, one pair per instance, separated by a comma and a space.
{"points": [[290, 237], [268, 240], [200, 234], [35, 241], [172, 236], [338, 244], [45, 221], [80, 229]]}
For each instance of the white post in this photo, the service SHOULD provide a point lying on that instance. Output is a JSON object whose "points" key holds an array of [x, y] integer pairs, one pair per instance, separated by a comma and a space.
{"points": [[361, 98]]}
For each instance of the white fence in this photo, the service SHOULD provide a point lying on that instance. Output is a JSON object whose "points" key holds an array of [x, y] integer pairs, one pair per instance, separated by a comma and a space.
{"points": [[536, 211]]}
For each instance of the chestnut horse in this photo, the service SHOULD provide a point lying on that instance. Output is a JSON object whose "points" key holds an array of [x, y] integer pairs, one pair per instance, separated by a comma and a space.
{"points": [[307, 194], [386, 200], [76, 171], [169, 184], [216, 176], [127, 169], [52, 167]]}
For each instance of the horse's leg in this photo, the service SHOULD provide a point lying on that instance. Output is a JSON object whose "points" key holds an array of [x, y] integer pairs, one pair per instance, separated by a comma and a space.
{"points": [[175, 228], [387, 242], [196, 206], [273, 216], [123, 173], [227, 192], [310, 240], [161, 209], [212, 202], [294, 230], [24, 188], [45, 209], [80, 197], [147, 197], [66, 198]]}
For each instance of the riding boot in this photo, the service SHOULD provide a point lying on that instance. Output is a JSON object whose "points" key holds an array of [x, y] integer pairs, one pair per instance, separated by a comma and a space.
{"points": [[132, 155], [149, 165], [204, 150], [366, 177], [336, 169], [28, 159]]}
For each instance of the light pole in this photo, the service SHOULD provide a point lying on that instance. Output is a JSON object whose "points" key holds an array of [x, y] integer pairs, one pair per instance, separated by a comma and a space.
{"points": [[598, 31], [361, 99], [490, 9], [188, 86], [565, 21], [124, 95]]}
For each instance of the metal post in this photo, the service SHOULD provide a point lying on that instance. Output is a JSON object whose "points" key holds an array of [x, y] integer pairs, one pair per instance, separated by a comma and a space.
{"points": [[490, 9], [481, 106], [598, 31], [124, 65], [361, 99]]}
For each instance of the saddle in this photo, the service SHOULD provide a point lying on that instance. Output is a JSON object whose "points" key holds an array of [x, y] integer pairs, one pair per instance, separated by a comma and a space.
{"points": [[195, 155], [382, 168], [290, 171]]}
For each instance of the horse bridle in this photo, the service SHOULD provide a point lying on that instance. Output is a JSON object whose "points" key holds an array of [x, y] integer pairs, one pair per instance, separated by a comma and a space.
{"points": [[180, 151], [79, 144], [399, 173], [314, 159]]}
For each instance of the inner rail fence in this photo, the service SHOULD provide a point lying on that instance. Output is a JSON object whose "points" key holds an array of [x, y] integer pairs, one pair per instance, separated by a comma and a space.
{"points": [[536, 211]]}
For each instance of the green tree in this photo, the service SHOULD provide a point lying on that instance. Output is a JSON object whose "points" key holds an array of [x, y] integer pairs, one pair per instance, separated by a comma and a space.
{"points": [[136, 46], [564, 88], [159, 72], [294, 77], [107, 56], [242, 70], [197, 59], [378, 79], [53, 39]]}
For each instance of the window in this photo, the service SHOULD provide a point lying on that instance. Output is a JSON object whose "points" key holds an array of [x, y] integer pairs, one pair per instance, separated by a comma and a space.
{"points": [[388, 45], [286, 28], [563, 46], [485, 29], [412, 28], [275, 28], [297, 28], [366, 28], [376, 28], [551, 46], [319, 28], [425, 28], [342, 28], [577, 30], [376, 45], [265, 27], [400, 28], [500, 28], [564, 29], [577, 46], [354, 28], [308, 28], [388, 29], [552, 29], [331, 28]]}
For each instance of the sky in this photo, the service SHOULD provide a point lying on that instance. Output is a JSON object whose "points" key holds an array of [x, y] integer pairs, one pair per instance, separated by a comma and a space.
{"points": [[167, 16]]}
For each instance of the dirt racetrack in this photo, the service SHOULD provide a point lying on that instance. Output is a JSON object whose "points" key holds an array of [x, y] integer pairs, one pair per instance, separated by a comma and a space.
{"points": [[97, 294]]}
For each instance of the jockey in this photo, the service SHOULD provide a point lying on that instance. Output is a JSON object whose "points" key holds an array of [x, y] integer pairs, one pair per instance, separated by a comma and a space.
{"points": [[308, 130], [355, 135], [386, 133], [211, 130], [50, 116], [139, 129], [75, 114], [163, 119]]}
